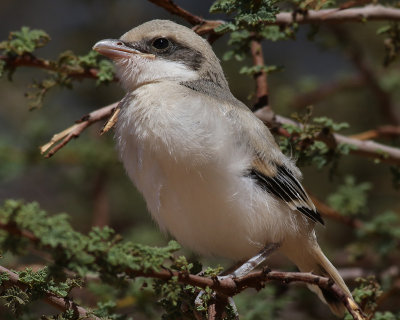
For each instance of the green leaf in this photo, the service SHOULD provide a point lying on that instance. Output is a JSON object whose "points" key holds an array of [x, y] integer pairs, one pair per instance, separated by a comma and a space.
{"points": [[24, 41], [350, 198]]}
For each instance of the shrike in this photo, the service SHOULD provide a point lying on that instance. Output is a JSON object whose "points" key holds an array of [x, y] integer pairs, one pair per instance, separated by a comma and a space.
{"points": [[208, 168]]}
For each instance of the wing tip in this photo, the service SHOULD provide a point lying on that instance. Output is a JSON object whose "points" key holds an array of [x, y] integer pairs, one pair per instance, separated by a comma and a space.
{"points": [[313, 215]]}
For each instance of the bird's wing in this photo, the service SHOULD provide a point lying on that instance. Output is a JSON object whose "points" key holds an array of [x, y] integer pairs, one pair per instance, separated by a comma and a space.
{"points": [[272, 170], [284, 185]]}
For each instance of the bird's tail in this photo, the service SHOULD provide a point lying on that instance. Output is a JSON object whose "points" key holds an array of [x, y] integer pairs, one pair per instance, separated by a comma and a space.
{"points": [[310, 258]]}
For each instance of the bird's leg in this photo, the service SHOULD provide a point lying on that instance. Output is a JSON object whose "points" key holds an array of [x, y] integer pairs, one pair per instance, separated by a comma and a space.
{"points": [[242, 270], [254, 262]]}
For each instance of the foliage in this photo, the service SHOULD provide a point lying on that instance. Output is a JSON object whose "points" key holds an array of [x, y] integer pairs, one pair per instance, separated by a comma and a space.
{"points": [[381, 233], [24, 41], [61, 72], [248, 15], [308, 142], [350, 198]]}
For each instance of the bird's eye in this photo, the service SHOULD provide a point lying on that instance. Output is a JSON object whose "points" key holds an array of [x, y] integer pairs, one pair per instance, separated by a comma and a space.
{"points": [[161, 43]]}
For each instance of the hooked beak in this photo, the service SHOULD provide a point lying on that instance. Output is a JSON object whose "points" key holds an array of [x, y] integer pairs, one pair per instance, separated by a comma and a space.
{"points": [[116, 49]]}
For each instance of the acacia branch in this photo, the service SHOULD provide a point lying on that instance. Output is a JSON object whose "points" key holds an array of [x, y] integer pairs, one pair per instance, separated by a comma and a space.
{"points": [[261, 76], [29, 60], [380, 132], [59, 140], [335, 15], [369, 149], [62, 304], [232, 286], [227, 287], [203, 26]]}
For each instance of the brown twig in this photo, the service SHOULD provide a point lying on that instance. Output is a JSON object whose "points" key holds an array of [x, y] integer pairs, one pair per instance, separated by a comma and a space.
{"points": [[62, 304], [381, 132], [60, 139], [261, 76], [231, 287], [29, 60]]}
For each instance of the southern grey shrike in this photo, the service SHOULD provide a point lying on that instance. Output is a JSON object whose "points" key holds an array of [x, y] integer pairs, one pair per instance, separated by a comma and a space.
{"points": [[209, 169]]}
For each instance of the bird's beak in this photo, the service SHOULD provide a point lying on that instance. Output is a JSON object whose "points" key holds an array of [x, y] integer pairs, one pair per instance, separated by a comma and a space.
{"points": [[116, 49]]}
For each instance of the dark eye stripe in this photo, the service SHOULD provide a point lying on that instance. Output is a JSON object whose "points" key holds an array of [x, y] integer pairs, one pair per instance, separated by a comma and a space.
{"points": [[175, 51]]}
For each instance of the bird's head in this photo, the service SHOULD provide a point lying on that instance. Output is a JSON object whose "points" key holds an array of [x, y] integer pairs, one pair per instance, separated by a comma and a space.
{"points": [[162, 50]]}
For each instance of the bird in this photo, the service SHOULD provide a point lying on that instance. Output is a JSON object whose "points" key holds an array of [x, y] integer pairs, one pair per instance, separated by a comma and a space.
{"points": [[209, 170]]}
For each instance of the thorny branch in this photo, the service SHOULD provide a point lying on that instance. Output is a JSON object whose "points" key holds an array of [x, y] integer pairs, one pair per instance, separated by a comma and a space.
{"points": [[226, 287], [62, 304]]}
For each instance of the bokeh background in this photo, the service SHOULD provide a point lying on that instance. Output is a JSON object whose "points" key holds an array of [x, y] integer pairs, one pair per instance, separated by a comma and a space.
{"points": [[86, 179]]}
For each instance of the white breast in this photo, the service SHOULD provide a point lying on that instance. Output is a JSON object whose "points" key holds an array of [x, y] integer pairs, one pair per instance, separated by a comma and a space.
{"points": [[182, 153]]}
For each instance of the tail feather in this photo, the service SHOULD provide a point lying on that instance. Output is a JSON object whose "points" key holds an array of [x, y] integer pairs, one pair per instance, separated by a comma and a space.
{"points": [[310, 258]]}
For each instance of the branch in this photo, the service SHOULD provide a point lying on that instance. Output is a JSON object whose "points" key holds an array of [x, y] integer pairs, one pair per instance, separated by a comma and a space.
{"points": [[380, 132], [368, 149], [260, 77], [62, 304], [335, 15], [203, 26], [227, 287], [29, 60], [232, 286], [60, 139]]}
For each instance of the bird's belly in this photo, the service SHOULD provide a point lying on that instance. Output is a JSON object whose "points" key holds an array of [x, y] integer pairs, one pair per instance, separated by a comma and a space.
{"points": [[213, 211]]}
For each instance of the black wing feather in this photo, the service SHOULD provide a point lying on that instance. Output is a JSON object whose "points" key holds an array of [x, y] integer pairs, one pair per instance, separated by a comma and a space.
{"points": [[286, 187]]}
